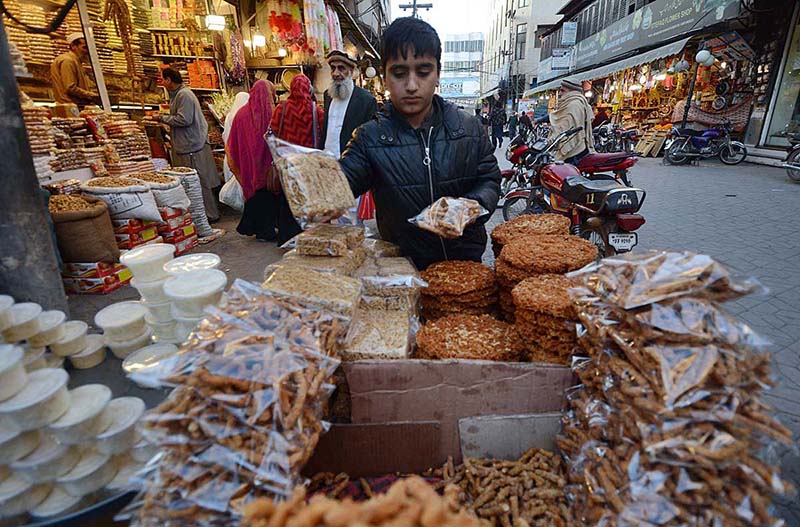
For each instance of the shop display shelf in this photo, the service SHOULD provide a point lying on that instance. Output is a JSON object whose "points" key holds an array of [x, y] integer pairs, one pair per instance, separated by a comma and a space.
{"points": [[183, 57]]}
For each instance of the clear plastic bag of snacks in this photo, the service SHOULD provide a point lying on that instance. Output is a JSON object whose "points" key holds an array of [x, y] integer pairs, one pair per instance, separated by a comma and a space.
{"points": [[448, 217]]}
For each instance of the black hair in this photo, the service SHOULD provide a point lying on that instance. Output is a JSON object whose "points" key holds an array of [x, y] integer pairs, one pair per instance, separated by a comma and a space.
{"points": [[172, 74], [409, 33]]}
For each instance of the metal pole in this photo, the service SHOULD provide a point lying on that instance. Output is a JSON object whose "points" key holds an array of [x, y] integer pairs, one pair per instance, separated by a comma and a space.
{"points": [[94, 58], [28, 265], [691, 95]]}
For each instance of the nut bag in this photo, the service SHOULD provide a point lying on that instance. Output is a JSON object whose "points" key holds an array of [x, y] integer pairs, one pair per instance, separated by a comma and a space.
{"points": [[167, 190], [448, 217], [84, 232], [126, 198]]}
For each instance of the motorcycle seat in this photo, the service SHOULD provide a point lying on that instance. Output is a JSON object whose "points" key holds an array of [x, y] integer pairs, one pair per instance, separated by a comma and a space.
{"points": [[577, 188], [601, 160], [688, 132]]}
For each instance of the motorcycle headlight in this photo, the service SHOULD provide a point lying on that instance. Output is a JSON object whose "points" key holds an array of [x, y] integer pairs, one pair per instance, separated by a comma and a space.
{"points": [[508, 155]]}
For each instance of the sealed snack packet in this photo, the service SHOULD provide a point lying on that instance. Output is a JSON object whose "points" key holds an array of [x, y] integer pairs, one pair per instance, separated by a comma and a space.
{"points": [[448, 217], [327, 239], [312, 180]]}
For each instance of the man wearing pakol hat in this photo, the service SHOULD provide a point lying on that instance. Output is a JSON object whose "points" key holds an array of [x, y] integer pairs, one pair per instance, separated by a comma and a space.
{"points": [[346, 105], [70, 84], [572, 110]]}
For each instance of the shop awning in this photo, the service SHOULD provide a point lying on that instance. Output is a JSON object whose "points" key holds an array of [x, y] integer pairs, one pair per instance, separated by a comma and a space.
{"points": [[490, 92], [604, 71]]}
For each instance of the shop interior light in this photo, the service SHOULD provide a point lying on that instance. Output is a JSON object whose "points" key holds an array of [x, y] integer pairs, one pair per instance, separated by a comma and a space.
{"points": [[660, 77], [259, 40], [370, 72], [724, 65], [635, 87], [386, 94], [588, 94], [248, 43], [215, 22], [282, 52], [642, 79]]}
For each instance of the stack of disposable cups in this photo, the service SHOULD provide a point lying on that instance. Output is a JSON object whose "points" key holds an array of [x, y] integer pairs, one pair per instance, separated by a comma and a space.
{"points": [[190, 293], [146, 263]]}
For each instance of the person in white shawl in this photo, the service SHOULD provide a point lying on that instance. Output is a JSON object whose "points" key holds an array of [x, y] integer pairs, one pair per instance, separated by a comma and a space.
{"points": [[238, 101], [572, 110]]}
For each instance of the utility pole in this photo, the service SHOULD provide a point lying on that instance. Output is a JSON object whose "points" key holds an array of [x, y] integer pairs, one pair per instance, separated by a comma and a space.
{"points": [[414, 6]]}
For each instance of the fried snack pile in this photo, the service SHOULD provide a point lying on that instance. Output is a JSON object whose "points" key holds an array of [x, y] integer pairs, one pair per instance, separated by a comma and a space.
{"points": [[380, 334], [528, 225], [458, 287], [545, 317], [448, 217], [668, 423], [329, 240], [533, 255], [344, 265], [380, 248], [252, 383], [409, 503], [313, 182], [329, 291], [526, 492], [479, 337]]}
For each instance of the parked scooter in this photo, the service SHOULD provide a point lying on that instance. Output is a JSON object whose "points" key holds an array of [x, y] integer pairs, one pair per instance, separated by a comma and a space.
{"points": [[603, 211], [792, 163], [687, 144]]}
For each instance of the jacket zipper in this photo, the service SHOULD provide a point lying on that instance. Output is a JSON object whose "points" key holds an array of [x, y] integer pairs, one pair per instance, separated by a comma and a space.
{"points": [[428, 162]]}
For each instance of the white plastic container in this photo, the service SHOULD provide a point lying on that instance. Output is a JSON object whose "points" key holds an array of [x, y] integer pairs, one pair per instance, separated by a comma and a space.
{"points": [[51, 328], [92, 472], [24, 322], [17, 495], [122, 321], [83, 420], [12, 370], [120, 436], [43, 400], [161, 330], [92, 355], [147, 262], [35, 359], [51, 360], [5, 311], [192, 262], [145, 366], [184, 326], [122, 481], [191, 292], [73, 340], [49, 461], [5, 473], [143, 451], [122, 349], [57, 503], [15, 444], [151, 291], [159, 313]]}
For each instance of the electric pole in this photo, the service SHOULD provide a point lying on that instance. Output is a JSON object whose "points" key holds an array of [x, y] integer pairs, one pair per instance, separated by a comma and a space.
{"points": [[415, 7]]}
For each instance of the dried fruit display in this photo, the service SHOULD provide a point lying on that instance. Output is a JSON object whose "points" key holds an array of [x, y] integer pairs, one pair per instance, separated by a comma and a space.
{"points": [[112, 182], [449, 217], [479, 337], [155, 178], [67, 203], [457, 286], [667, 426], [528, 225]]}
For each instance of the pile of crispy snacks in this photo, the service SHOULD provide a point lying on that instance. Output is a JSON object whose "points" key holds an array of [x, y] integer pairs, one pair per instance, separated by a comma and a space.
{"points": [[545, 317], [526, 492], [458, 287], [449, 217], [329, 240], [329, 291], [345, 264], [251, 386], [377, 333], [668, 423], [528, 225], [409, 502], [68, 203], [380, 248], [479, 337], [533, 255]]}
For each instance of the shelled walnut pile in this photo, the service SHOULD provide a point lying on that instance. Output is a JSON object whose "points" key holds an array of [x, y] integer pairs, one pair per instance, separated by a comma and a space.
{"points": [[669, 422], [68, 203]]}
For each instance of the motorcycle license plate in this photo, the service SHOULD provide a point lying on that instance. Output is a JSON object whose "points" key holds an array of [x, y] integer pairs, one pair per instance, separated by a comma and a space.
{"points": [[623, 242]]}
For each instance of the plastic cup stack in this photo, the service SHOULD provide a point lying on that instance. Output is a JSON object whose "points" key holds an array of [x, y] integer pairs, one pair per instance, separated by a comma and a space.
{"points": [[146, 263], [190, 293]]}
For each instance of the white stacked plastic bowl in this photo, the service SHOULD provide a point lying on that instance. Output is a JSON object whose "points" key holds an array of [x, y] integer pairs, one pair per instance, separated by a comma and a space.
{"points": [[162, 331], [120, 436], [43, 400], [12, 371], [15, 444], [144, 366], [121, 349], [51, 328], [17, 495], [193, 291], [192, 262], [58, 503], [184, 326], [122, 321], [85, 418], [146, 263], [5, 311], [93, 354], [73, 340], [159, 313], [50, 460], [24, 322], [93, 471], [152, 292]]}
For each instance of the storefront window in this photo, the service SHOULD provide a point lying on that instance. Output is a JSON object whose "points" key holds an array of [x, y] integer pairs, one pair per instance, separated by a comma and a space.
{"points": [[786, 115]]}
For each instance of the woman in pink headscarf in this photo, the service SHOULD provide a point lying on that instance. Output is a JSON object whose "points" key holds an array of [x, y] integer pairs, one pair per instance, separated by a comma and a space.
{"points": [[251, 163]]}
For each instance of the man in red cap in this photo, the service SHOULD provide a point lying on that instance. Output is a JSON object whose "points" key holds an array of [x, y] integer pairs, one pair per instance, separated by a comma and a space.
{"points": [[346, 105]]}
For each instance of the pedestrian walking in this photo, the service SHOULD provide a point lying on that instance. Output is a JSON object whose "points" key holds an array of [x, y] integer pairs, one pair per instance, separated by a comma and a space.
{"points": [[525, 122], [297, 120], [189, 132], [251, 163], [238, 102], [421, 148], [498, 121], [573, 110], [513, 122]]}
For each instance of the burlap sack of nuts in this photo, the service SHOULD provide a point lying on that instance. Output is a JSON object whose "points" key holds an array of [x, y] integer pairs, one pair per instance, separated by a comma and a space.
{"points": [[84, 232]]}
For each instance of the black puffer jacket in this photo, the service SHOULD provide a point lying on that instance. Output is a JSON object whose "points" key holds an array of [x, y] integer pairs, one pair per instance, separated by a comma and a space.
{"points": [[388, 156]]}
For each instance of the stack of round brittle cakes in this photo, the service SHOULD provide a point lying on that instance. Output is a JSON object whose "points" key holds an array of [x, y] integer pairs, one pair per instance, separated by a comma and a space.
{"points": [[545, 317], [533, 255], [527, 225], [479, 337], [458, 287]]}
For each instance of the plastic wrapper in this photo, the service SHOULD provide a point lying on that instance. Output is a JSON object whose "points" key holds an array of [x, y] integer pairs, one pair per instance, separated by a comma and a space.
{"points": [[251, 390], [327, 240], [395, 276], [344, 265], [380, 248], [326, 290], [313, 181], [448, 217], [668, 422], [380, 334]]}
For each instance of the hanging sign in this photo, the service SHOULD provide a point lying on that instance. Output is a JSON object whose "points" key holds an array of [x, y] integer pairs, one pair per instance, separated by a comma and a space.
{"points": [[562, 59], [569, 33]]}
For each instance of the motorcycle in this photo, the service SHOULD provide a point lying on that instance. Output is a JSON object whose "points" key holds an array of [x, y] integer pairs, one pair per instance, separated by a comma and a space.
{"points": [[518, 154], [687, 144], [603, 211], [610, 137], [792, 163]]}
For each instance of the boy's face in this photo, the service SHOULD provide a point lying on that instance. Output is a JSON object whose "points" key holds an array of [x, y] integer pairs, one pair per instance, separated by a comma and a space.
{"points": [[412, 82]]}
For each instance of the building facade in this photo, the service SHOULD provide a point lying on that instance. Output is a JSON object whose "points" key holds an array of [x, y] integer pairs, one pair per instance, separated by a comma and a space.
{"points": [[461, 65]]}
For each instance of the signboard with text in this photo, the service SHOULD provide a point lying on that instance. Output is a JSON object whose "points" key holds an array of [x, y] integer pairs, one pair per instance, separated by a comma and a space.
{"points": [[546, 71], [569, 33], [656, 22], [562, 59]]}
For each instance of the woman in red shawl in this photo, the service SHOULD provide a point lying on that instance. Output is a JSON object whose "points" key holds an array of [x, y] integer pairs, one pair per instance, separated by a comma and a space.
{"points": [[251, 162], [297, 120]]}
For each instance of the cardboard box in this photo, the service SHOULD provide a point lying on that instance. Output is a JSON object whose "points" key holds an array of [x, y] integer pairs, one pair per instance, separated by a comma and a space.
{"points": [[174, 223], [129, 241], [98, 286], [185, 245], [131, 226], [91, 270], [167, 213], [447, 392], [179, 234]]}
